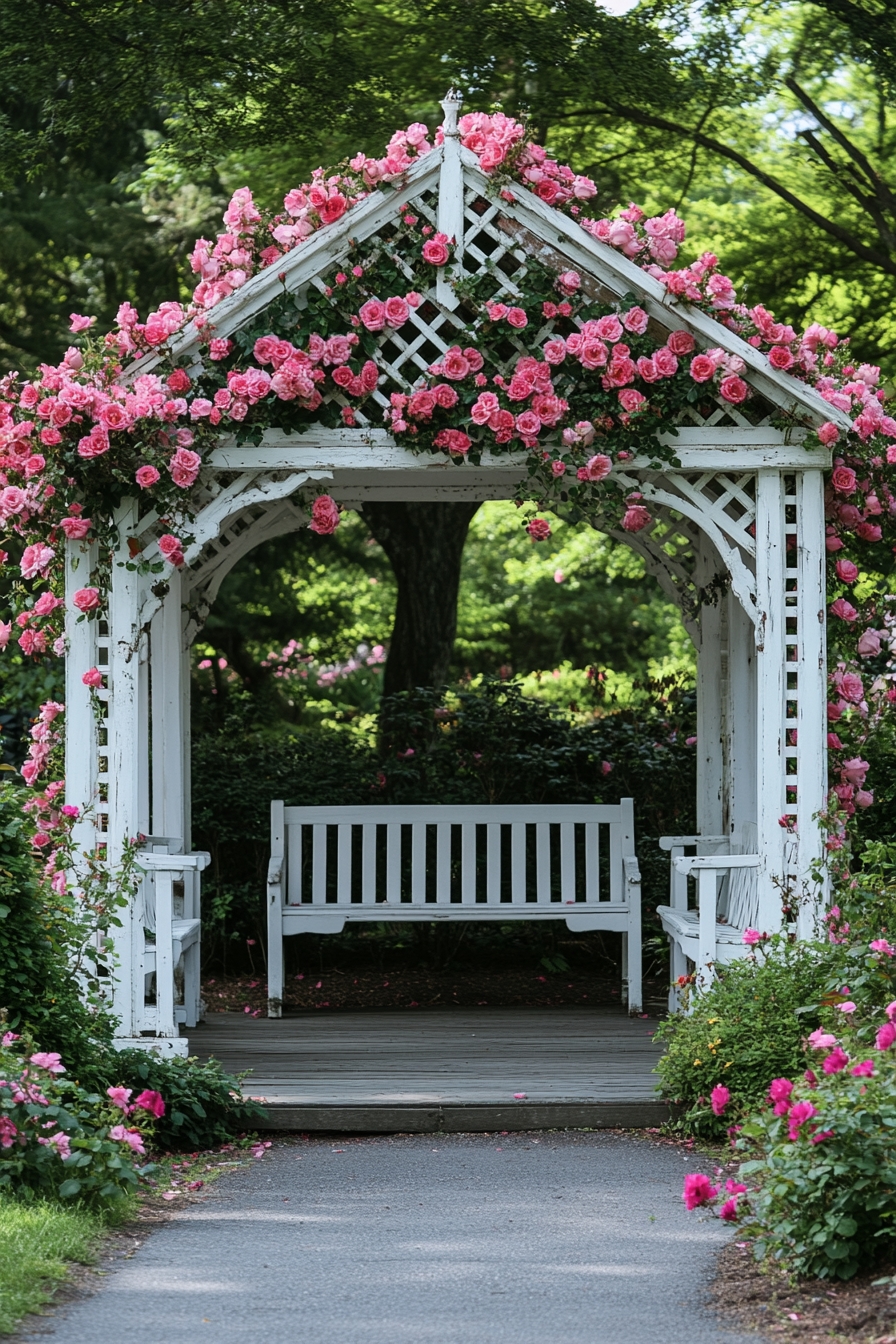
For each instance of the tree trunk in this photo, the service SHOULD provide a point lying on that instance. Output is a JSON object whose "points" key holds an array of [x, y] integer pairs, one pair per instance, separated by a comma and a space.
{"points": [[425, 546]]}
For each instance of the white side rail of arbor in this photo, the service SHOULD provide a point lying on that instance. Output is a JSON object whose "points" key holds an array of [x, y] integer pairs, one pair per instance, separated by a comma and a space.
{"points": [[743, 501], [330, 865]]}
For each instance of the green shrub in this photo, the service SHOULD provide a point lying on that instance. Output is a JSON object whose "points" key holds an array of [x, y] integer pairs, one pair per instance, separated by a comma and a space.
{"points": [[823, 1192], [37, 990], [203, 1105], [59, 1140], [746, 1030]]}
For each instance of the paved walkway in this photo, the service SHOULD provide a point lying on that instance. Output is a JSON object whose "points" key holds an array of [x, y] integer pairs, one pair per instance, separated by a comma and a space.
{"points": [[576, 1237]]}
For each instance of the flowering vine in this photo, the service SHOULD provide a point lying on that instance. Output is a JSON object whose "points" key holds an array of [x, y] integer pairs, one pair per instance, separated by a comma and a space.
{"points": [[546, 366]]}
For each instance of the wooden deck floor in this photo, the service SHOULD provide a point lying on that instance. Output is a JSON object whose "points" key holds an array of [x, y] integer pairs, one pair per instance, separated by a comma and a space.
{"points": [[454, 1070]]}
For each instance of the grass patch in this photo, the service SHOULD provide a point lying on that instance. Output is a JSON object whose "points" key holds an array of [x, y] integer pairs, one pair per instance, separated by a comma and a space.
{"points": [[37, 1240]]}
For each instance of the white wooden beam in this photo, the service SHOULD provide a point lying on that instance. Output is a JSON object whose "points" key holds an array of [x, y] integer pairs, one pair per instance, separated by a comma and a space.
{"points": [[451, 199], [166, 643], [724, 448], [81, 739]]}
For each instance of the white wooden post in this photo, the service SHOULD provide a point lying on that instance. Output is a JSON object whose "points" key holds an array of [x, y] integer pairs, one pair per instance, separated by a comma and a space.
{"points": [[127, 755], [771, 690], [710, 685], [168, 704], [451, 197], [740, 722], [812, 690]]}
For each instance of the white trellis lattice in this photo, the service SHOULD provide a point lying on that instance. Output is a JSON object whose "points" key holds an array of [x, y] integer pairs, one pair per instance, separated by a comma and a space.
{"points": [[737, 541]]}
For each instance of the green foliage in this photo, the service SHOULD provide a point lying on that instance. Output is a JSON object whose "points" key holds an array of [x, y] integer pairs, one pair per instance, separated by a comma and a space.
{"points": [[749, 1028], [825, 1198], [37, 1241], [38, 992], [203, 1105], [90, 1163]]}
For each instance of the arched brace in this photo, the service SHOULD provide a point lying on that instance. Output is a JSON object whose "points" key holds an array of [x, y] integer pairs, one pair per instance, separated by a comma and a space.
{"points": [[743, 581]]}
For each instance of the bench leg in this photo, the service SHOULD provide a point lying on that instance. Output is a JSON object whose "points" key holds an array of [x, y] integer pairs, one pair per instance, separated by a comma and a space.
{"points": [[632, 963], [678, 965], [191, 984], [275, 952]]}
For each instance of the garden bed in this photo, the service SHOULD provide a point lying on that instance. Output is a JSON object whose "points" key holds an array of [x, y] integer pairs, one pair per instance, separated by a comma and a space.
{"points": [[352, 989], [813, 1311]]}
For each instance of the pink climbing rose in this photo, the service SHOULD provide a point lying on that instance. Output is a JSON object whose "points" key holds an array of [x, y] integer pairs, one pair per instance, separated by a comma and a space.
{"points": [[698, 1190], [152, 1102], [324, 516], [719, 1099]]}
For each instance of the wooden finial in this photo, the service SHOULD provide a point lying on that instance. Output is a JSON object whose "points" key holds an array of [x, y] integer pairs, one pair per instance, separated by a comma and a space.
{"points": [[451, 105]]}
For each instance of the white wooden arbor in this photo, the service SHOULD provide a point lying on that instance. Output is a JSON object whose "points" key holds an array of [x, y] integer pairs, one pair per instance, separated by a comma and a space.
{"points": [[747, 499]]}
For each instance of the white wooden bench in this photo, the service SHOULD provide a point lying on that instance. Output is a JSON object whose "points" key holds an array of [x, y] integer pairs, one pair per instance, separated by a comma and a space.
{"points": [[727, 903], [169, 935], [330, 865]]}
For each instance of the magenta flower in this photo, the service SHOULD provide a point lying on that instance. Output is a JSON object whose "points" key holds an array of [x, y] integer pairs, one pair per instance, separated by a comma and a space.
{"points": [[881, 945], [752, 937], [152, 1102], [835, 1061], [719, 1099], [779, 1094], [698, 1190], [848, 1007], [890, 1010], [822, 1040], [728, 1211], [735, 1187], [800, 1112], [821, 1135], [863, 1070], [886, 1036], [120, 1096]]}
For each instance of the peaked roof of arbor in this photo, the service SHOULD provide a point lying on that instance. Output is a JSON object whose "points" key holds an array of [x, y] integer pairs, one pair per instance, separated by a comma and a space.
{"points": [[449, 186]]}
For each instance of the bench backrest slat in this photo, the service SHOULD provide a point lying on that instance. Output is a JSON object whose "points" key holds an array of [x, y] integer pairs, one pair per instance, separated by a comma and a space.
{"points": [[440, 856]]}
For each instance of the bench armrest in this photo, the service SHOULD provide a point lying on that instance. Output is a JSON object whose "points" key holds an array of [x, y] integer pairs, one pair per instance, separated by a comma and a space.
{"points": [[275, 870], [631, 870], [668, 842], [689, 863]]}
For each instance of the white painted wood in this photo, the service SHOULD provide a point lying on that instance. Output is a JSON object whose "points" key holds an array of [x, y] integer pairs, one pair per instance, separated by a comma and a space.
{"points": [[451, 198], [771, 683], [710, 693], [812, 704], [277, 878], [167, 669], [374, 450], [382, 896], [740, 719]]}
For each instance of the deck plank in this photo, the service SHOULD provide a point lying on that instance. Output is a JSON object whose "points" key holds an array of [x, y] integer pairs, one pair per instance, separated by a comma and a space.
{"points": [[567, 1058]]}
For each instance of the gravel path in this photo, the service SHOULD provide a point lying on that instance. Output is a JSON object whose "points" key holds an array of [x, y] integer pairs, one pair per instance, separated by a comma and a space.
{"points": [[580, 1238]]}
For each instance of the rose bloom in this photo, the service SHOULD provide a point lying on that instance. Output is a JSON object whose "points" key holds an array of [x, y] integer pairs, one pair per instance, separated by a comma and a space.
{"points": [[635, 320], [435, 252], [631, 400], [453, 440], [517, 318], [680, 342], [179, 380], [665, 362], [93, 677], [555, 351], [169, 545], [780, 357], [445, 396], [635, 518], [455, 364], [397, 312], [869, 645], [734, 389], [146, 476], [702, 368], [539, 529], [184, 467], [324, 516], [597, 467], [843, 479], [845, 610], [373, 314], [847, 572], [87, 599]]}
